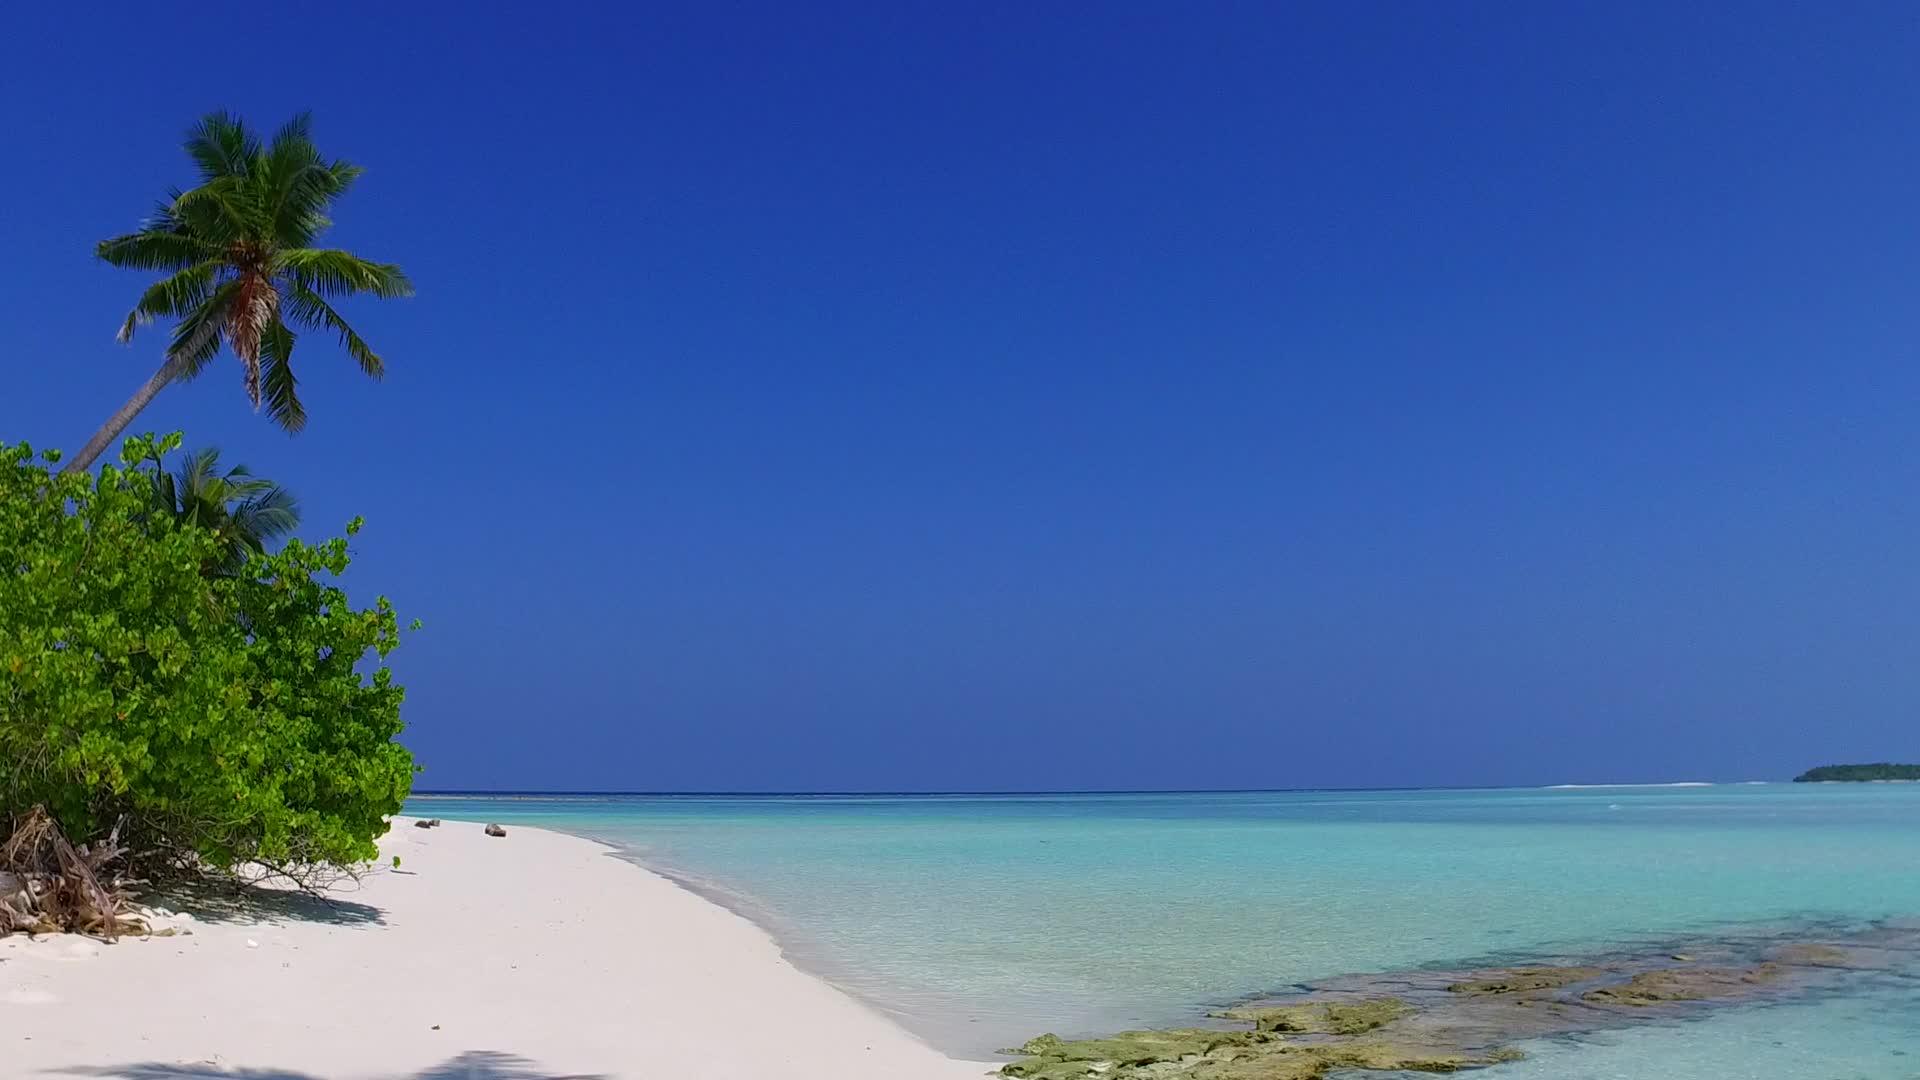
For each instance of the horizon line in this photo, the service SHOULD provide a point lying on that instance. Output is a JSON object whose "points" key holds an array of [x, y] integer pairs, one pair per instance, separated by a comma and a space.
{"points": [[1075, 791]]}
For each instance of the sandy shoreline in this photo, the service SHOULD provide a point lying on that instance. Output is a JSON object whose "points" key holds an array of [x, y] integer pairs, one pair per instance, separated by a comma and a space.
{"points": [[535, 957]]}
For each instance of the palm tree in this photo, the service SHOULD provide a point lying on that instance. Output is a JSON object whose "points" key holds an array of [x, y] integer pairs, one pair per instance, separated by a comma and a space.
{"points": [[243, 511], [240, 267]]}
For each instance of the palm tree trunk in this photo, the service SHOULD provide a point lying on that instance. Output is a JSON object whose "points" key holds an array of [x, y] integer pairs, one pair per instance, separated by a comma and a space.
{"points": [[118, 422]]}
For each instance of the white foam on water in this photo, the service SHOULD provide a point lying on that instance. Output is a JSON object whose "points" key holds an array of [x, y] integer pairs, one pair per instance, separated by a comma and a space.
{"points": [[1602, 787]]}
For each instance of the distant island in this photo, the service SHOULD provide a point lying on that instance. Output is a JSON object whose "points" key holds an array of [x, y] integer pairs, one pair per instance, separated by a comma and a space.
{"points": [[1858, 773]]}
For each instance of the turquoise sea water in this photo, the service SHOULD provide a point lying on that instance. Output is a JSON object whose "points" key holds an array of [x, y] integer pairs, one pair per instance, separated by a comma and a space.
{"points": [[981, 920]]}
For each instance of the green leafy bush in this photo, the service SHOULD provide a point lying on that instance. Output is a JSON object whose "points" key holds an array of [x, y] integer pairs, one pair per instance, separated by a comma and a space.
{"points": [[220, 719]]}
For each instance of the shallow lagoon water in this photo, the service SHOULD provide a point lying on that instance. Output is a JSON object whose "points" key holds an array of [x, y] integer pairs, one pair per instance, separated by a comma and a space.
{"points": [[1873, 1035], [980, 920]]}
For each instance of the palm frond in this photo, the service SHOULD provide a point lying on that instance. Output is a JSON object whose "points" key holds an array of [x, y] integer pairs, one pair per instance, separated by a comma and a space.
{"points": [[298, 129], [331, 272], [312, 311], [244, 512], [174, 295], [221, 146], [197, 337], [289, 171], [164, 220], [281, 388], [240, 483], [165, 492], [300, 208], [155, 249], [198, 492], [265, 517], [222, 212]]}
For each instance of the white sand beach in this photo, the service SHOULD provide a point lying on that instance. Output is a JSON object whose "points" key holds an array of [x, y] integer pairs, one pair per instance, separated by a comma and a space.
{"points": [[537, 956]]}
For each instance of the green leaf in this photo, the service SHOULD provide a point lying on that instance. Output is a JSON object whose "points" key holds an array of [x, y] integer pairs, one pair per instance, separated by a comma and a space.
{"points": [[226, 714]]}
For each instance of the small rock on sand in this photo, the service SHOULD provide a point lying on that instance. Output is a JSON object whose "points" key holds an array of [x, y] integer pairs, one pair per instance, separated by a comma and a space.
{"points": [[495, 830]]}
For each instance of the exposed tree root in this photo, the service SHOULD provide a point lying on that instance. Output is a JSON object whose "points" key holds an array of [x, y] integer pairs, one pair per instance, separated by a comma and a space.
{"points": [[49, 886]]}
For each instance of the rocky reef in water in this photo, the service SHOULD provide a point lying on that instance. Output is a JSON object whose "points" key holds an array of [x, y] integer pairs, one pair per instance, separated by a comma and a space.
{"points": [[1450, 1020]]}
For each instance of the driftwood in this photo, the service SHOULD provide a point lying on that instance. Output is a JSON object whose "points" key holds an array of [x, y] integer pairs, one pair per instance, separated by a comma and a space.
{"points": [[47, 885]]}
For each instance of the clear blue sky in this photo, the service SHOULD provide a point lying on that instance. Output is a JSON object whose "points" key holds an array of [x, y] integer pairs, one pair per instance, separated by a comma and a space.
{"points": [[1066, 396]]}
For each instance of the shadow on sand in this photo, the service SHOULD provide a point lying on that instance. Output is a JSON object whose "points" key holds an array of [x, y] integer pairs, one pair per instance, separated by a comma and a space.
{"points": [[221, 903], [472, 1065]]}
